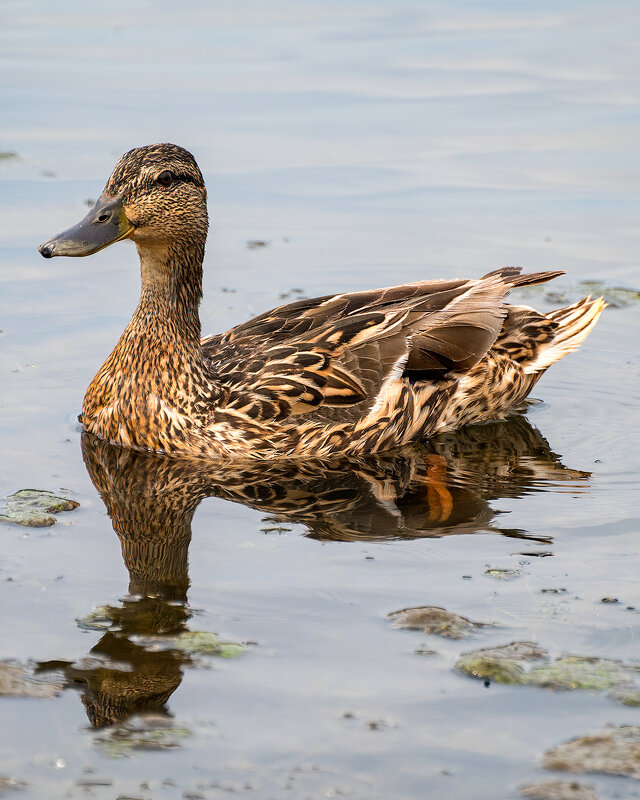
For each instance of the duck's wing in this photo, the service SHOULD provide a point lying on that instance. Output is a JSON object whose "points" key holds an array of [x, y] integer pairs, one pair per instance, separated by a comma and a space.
{"points": [[336, 352]]}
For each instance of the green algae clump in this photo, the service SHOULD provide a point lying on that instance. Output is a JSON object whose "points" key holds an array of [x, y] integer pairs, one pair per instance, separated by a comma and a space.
{"points": [[504, 664], [33, 508], [580, 672], [436, 620], [509, 665]]}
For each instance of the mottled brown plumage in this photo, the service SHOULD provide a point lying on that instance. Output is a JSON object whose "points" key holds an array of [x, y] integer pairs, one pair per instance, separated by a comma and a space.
{"points": [[351, 373]]}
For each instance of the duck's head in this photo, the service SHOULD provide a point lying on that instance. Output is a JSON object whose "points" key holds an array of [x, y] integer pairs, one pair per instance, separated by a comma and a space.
{"points": [[155, 196]]}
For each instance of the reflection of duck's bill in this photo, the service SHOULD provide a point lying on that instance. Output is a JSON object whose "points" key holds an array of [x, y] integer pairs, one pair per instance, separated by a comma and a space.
{"points": [[105, 224]]}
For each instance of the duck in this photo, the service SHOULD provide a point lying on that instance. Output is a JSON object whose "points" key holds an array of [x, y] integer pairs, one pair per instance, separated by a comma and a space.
{"points": [[349, 373]]}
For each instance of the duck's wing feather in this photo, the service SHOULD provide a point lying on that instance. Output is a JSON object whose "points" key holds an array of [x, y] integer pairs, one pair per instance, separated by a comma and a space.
{"points": [[336, 352]]}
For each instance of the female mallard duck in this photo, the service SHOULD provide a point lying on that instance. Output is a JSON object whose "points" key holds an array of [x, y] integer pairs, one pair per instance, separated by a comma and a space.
{"points": [[349, 373]]}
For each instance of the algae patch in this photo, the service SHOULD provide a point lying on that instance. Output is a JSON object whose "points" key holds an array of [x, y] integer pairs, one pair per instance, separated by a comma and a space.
{"points": [[436, 620], [504, 664], [17, 681], [34, 507], [509, 664], [193, 643], [581, 672], [615, 296], [614, 752], [147, 732], [558, 790]]}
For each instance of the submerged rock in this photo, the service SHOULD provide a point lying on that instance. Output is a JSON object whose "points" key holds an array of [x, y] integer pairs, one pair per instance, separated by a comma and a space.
{"points": [[17, 681], [433, 619], [559, 790], [33, 507], [509, 664], [614, 752]]}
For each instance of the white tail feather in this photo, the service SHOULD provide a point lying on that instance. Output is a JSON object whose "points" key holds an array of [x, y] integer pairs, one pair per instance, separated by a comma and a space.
{"points": [[574, 323]]}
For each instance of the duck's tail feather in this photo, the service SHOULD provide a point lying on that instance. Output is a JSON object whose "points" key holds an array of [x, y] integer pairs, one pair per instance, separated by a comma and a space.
{"points": [[574, 324], [512, 276]]}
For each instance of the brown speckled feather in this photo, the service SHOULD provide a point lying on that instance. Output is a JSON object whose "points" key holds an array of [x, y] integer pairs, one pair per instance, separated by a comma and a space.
{"points": [[348, 373]]}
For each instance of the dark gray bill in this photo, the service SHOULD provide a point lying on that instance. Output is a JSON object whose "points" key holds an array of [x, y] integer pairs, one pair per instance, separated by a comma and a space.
{"points": [[105, 224]]}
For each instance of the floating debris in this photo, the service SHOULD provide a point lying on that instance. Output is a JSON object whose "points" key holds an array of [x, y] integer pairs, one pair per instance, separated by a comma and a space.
{"points": [[502, 574], [559, 790], [296, 292], [433, 619], [501, 664], [510, 665], [534, 554], [614, 752], [100, 619], [33, 508], [611, 600], [7, 155], [275, 529], [17, 681], [201, 643], [256, 244], [425, 651], [11, 784], [380, 724], [142, 733]]}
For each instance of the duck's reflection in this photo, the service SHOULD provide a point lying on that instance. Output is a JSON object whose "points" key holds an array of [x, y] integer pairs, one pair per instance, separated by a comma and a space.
{"points": [[441, 488]]}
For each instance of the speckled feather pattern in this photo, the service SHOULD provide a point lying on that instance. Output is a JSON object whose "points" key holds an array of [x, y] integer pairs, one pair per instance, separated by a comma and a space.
{"points": [[351, 373]]}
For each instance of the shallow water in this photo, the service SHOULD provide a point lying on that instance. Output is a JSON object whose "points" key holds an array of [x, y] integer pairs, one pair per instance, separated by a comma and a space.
{"points": [[366, 144]]}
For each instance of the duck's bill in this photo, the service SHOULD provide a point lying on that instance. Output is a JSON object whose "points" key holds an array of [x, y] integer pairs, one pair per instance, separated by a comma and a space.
{"points": [[105, 224]]}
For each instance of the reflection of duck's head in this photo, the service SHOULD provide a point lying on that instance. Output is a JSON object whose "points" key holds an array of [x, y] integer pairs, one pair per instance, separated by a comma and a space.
{"points": [[432, 490]]}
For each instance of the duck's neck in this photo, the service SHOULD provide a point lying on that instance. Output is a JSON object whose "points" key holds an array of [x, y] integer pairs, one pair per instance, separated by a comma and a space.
{"points": [[167, 314], [155, 376]]}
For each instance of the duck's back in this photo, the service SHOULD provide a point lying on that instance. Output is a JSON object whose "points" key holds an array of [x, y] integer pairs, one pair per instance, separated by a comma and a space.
{"points": [[376, 369]]}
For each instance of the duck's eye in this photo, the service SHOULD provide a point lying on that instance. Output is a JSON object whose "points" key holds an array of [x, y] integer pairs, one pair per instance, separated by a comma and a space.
{"points": [[165, 178]]}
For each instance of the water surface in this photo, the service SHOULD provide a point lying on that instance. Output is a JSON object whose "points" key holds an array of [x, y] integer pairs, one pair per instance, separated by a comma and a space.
{"points": [[366, 143]]}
